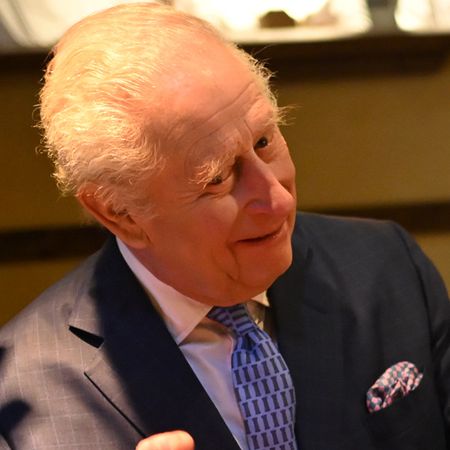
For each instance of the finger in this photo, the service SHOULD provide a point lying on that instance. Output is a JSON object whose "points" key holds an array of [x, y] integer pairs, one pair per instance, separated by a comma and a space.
{"points": [[171, 440]]}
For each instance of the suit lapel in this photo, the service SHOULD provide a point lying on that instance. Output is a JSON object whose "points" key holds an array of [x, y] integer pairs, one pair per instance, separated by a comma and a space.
{"points": [[308, 334], [139, 368]]}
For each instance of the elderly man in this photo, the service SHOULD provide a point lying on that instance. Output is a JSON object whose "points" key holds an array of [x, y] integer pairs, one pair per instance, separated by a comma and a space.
{"points": [[213, 309]]}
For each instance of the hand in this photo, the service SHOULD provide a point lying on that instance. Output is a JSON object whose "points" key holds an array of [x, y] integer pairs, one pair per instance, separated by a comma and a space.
{"points": [[172, 440]]}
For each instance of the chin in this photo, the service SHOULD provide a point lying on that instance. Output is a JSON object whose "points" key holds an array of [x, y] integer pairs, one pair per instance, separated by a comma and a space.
{"points": [[262, 278]]}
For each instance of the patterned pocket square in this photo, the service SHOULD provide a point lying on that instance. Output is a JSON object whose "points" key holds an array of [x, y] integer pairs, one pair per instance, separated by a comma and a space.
{"points": [[396, 382]]}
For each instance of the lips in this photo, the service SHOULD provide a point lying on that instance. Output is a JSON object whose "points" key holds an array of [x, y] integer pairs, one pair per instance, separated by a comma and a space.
{"points": [[264, 237]]}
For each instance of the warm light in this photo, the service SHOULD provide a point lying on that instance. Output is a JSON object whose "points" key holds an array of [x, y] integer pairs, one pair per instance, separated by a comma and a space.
{"points": [[245, 14], [40, 23], [423, 15]]}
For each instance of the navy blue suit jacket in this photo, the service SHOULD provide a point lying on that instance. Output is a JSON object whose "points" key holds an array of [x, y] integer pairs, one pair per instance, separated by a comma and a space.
{"points": [[90, 364]]}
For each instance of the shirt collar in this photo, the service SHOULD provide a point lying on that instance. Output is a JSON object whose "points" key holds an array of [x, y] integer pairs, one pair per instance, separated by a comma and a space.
{"points": [[180, 313], [262, 299]]}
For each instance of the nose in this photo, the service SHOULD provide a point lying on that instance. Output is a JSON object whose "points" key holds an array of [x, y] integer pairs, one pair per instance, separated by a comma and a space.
{"points": [[268, 189]]}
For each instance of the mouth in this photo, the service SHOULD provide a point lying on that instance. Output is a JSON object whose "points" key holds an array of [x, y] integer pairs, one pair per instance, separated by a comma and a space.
{"points": [[265, 238]]}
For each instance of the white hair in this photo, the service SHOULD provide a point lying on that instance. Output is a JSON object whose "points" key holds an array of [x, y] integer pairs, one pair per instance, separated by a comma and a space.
{"points": [[99, 87]]}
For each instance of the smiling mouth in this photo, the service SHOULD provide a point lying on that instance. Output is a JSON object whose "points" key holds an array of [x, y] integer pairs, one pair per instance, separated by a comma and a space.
{"points": [[265, 238]]}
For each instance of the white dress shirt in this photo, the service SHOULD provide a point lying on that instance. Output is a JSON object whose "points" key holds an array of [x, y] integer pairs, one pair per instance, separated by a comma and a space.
{"points": [[206, 344]]}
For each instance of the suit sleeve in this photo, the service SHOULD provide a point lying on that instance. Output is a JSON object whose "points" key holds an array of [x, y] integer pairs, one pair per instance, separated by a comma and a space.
{"points": [[438, 307]]}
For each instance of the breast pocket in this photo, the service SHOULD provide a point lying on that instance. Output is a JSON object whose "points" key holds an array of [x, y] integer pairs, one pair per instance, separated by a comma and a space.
{"points": [[414, 422]]}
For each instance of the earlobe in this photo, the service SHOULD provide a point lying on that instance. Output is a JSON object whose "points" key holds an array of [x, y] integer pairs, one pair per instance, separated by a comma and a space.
{"points": [[120, 224]]}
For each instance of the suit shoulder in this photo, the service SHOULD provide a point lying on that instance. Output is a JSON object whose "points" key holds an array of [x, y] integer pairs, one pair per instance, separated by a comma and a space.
{"points": [[54, 305], [342, 243], [39, 339], [365, 249], [347, 234], [318, 224]]}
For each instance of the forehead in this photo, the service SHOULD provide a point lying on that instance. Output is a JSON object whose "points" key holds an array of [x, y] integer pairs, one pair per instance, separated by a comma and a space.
{"points": [[220, 102], [223, 115], [204, 81]]}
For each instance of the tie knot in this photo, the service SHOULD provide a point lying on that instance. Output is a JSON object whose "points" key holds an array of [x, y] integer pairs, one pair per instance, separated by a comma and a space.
{"points": [[235, 318]]}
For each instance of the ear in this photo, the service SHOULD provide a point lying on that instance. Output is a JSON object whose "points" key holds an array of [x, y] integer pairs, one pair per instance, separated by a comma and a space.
{"points": [[121, 225]]}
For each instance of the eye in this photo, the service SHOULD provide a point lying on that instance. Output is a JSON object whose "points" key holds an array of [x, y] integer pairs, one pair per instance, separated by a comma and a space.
{"points": [[222, 177], [217, 179], [262, 142]]}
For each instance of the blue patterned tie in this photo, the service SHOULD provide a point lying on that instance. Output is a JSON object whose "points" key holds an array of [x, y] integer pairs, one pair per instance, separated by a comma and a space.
{"points": [[262, 382]]}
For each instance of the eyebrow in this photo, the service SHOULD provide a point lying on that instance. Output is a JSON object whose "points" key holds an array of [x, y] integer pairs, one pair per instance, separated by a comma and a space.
{"points": [[206, 171]]}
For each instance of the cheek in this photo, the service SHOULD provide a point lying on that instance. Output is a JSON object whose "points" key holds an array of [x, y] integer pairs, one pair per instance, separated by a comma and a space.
{"points": [[284, 171], [218, 214], [217, 228], [209, 240], [286, 174]]}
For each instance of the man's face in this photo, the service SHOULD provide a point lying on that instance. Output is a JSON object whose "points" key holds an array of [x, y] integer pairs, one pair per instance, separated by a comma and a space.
{"points": [[225, 201]]}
